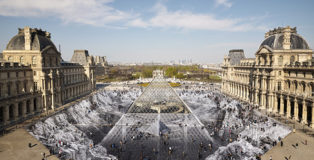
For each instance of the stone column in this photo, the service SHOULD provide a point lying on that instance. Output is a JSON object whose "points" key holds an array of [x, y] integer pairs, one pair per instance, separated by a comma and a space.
{"points": [[296, 109], [5, 114], [60, 99], [52, 94], [262, 100], [304, 113], [15, 111], [281, 105], [288, 107], [269, 102], [23, 108], [40, 103], [275, 110], [256, 97], [241, 91], [264, 83], [247, 94], [31, 106]]}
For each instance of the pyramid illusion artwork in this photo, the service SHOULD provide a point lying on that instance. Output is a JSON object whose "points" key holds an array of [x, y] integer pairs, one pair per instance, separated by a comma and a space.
{"points": [[158, 125]]}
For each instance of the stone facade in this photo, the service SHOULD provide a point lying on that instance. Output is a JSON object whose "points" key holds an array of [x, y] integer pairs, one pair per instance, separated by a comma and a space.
{"points": [[82, 57], [48, 82], [280, 79], [19, 97]]}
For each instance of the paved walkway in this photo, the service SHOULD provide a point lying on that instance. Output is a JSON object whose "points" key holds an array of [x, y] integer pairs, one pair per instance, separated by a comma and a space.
{"points": [[289, 150], [14, 143], [14, 146]]}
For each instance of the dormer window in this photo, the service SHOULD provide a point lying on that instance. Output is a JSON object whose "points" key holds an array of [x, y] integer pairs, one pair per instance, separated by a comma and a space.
{"points": [[22, 59], [280, 60], [34, 60], [10, 59]]}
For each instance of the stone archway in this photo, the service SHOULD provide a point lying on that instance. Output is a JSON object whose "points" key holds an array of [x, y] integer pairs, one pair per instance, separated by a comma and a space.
{"points": [[28, 106], [285, 106], [309, 114], [1, 114], [278, 104], [20, 109], [300, 111], [292, 108], [11, 112], [35, 104]]}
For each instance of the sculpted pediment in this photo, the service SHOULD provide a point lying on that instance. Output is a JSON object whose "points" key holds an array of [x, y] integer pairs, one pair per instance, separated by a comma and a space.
{"points": [[51, 51], [264, 50]]}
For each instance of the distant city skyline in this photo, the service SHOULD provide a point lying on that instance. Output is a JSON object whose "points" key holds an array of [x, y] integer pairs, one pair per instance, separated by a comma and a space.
{"points": [[157, 30]]}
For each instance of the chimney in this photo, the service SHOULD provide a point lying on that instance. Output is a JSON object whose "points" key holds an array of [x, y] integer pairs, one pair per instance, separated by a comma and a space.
{"points": [[27, 37], [286, 38]]}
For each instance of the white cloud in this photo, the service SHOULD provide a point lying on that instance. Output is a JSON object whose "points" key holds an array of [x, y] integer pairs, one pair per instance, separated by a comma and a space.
{"points": [[225, 3], [138, 22], [191, 21], [100, 13], [92, 12]]}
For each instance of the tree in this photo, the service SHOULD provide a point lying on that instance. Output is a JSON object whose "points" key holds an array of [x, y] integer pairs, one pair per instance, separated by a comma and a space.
{"points": [[147, 72], [180, 76], [171, 71]]}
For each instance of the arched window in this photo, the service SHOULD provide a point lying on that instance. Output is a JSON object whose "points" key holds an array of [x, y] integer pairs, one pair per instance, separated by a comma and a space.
{"points": [[44, 63], [303, 87], [10, 59], [280, 60], [9, 89], [22, 59], [34, 60], [292, 59]]}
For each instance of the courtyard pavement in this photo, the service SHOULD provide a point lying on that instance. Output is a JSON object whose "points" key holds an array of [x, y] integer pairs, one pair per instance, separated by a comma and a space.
{"points": [[15, 139], [15, 146], [294, 145]]}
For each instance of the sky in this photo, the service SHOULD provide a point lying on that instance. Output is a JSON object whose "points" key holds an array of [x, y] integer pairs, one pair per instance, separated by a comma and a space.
{"points": [[156, 30]]}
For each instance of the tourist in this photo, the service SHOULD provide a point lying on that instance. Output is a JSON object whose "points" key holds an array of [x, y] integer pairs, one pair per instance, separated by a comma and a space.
{"points": [[281, 143], [170, 150]]}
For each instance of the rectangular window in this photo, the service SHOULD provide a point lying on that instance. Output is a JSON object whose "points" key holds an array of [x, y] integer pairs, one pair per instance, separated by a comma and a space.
{"points": [[17, 88], [35, 86], [25, 86], [279, 86], [9, 89]]}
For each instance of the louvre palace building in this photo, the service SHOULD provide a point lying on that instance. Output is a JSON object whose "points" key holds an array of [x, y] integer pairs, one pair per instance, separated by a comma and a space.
{"points": [[280, 79], [35, 79]]}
